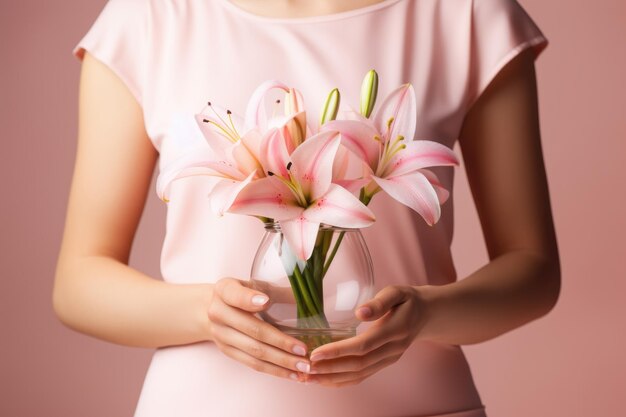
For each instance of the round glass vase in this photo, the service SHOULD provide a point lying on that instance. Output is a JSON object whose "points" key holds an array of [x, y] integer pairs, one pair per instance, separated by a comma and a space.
{"points": [[314, 300]]}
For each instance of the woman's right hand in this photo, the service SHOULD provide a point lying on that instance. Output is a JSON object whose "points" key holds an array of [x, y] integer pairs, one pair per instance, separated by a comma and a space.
{"points": [[241, 335]]}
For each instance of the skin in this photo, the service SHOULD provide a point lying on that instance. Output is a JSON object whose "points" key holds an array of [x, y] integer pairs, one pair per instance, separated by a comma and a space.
{"points": [[97, 293]]}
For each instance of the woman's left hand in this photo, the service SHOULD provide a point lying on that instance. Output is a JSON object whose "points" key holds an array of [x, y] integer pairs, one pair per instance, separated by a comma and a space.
{"points": [[398, 313]]}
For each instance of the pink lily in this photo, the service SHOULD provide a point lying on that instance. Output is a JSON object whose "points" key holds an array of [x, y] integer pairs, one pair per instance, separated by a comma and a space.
{"points": [[298, 191], [234, 144], [228, 155], [392, 163]]}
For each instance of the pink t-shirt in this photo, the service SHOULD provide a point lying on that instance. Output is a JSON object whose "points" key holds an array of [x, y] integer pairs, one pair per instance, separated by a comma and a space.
{"points": [[176, 55]]}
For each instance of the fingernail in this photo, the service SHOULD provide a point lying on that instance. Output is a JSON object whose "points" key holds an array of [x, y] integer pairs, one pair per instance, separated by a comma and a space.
{"points": [[365, 312], [299, 350], [259, 300], [317, 357], [303, 367], [293, 376]]}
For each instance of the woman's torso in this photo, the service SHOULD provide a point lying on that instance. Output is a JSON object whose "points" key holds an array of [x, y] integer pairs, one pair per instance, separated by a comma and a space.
{"points": [[212, 50]]}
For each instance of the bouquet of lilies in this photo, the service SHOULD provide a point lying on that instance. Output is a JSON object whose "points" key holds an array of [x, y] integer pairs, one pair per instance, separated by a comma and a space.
{"points": [[282, 169]]}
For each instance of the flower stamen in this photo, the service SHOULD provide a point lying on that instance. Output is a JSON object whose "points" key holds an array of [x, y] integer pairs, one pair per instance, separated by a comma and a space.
{"points": [[391, 148], [232, 125], [293, 185], [229, 133]]}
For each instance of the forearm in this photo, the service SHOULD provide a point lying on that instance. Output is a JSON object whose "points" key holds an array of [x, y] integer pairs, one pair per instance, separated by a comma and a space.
{"points": [[508, 292], [107, 299]]}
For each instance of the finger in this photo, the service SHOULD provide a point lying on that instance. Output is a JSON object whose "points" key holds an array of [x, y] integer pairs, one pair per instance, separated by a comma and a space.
{"points": [[257, 364], [357, 363], [359, 345], [278, 294], [256, 329], [237, 294], [262, 351], [352, 378], [384, 301]]}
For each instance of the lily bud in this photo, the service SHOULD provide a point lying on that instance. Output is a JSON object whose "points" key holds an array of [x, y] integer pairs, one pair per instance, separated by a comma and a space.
{"points": [[331, 106], [369, 90], [293, 102], [294, 131]]}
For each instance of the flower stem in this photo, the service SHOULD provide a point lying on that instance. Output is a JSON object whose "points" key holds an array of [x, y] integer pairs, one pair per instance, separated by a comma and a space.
{"points": [[333, 253], [302, 288], [296, 293]]}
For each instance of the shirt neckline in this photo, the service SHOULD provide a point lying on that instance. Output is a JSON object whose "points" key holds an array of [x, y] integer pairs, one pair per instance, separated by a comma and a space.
{"points": [[307, 19]]}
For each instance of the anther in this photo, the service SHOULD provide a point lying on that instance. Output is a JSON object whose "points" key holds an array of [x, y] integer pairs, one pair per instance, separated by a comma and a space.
{"points": [[228, 112], [289, 166], [270, 173], [209, 103], [205, 120]]}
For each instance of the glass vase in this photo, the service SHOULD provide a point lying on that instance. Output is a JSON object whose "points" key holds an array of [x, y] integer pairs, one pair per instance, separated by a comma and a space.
{"points": [[314, 300]]}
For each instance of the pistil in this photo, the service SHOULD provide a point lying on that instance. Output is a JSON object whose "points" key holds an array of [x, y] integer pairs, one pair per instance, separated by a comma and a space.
{"points": [[294, 186], [391, 148]]}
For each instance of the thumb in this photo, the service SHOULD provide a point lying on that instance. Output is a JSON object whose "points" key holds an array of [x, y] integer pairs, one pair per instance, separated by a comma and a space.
{"points": [[378, 306], [238, 293]]}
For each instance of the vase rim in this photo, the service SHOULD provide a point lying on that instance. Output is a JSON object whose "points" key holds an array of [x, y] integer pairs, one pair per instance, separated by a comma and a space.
{"points": [[275, 226]]}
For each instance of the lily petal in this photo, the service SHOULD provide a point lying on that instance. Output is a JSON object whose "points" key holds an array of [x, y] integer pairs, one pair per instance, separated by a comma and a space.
{"points": [[415, 191], [267, 197], [163, 182], [274, 155], [195, 158], [252, 140], [276, 121], [294, 101], [358, 137], [244, 158], [294, 130], [339, 207], [353, 185], [255, 110], [341, 162], [301, 234], [313, 163], [224, 193], [442, 193], [401, 105], [420, 154]]}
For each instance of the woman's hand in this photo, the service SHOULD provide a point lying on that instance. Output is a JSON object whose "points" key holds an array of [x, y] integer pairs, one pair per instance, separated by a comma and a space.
{"points": [[242, 336], [398, 313]]}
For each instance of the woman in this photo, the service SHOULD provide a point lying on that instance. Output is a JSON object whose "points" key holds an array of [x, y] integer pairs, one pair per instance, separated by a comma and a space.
{"points": [[148, 62]]}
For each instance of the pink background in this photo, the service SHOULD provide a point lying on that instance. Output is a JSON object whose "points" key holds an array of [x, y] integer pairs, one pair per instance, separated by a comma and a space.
{"points": [[569, 363]]}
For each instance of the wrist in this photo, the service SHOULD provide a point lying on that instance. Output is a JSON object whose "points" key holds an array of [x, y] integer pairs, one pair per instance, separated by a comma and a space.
{"points": [[203, 294], [429, 298]]}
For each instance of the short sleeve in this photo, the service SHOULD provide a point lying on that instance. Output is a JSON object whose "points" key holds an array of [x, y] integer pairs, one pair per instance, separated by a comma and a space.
{"points": [[118, 38], [501, 29]]}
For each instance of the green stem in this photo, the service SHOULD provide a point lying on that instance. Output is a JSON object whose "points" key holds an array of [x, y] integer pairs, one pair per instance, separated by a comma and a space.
{"points": [[318, 263], [333, 253], [297, 296], [313, 314], [308, 302], [312, 288]]}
